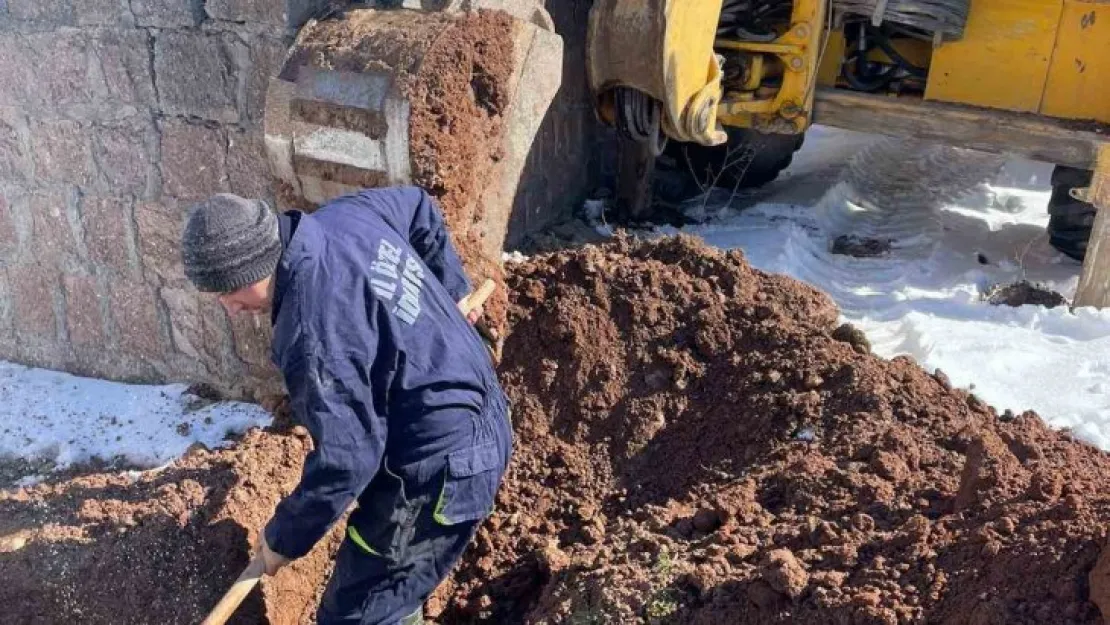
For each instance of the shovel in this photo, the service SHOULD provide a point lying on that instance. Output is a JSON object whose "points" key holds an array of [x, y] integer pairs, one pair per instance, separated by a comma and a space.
{"points": [[477, 298], [474, 300], [239, 591]]}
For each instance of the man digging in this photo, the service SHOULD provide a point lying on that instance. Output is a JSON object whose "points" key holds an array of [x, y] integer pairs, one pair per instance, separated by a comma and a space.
{"points": [[393, 383]]}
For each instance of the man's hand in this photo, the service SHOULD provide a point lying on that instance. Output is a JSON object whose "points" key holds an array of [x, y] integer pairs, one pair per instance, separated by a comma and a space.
{"points": [[474, 315], [471, 305], [271, 560]]}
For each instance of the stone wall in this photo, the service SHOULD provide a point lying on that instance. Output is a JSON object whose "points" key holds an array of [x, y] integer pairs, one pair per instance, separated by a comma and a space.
{"points": [[114, 116]]}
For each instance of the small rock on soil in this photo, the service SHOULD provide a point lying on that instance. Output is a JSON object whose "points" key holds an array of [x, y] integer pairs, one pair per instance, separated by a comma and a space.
{"points": [[1023, 293]]}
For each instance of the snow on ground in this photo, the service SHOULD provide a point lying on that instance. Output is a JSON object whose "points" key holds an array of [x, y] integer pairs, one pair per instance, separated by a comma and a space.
{"points": [[64, 419], [925, 297]]}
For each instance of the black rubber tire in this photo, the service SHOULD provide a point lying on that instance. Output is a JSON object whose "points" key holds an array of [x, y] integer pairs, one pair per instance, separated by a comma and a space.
{"points": [[1070, 220], [702, 164]]}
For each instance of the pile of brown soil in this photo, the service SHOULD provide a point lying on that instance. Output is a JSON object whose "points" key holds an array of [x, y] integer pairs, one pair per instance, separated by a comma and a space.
{"points": [[456, 130], [695, 446], [696, 442], [162, 547]]}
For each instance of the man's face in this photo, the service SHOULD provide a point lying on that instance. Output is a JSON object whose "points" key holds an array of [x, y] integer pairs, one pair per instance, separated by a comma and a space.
{"points": [[251, 299]]}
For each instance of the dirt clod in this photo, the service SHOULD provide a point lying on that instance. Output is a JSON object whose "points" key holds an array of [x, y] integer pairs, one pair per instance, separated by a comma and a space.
{"points": [[784, 573], [847, 333], [1023, 293], [860, 247], [707, 520]]}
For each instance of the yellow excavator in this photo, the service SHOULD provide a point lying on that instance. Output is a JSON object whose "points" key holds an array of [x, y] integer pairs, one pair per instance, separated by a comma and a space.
{"points": [[731, 86]]}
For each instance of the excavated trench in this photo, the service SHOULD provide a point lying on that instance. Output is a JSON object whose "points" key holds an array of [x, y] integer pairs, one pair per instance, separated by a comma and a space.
{"points": [[697, 442]]}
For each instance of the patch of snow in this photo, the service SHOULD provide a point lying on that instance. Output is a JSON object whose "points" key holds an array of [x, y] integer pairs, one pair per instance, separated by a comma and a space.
{"points": [[513, 257], [806, 435], [68, 419], [924, 298]]}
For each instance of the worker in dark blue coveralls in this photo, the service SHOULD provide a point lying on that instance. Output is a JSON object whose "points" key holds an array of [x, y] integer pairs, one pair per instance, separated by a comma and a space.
{"points": [[394, 384]]}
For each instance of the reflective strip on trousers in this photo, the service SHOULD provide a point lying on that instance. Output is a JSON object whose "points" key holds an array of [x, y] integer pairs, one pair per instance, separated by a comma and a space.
{"points": [[357, 539]]}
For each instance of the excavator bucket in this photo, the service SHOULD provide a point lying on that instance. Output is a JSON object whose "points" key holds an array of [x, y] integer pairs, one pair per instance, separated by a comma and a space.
{"points": [[447, 100]]}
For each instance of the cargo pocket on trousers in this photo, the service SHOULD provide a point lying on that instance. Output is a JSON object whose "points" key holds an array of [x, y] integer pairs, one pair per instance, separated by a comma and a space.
{"points": [[469, 484], [385, 526]]}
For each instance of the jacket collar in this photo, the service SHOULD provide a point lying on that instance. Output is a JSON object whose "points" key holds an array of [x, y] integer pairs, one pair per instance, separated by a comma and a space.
{"points": [[293, 230]]}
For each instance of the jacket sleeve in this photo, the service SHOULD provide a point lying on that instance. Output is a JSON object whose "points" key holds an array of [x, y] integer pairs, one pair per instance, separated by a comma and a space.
{"points": [[330, 398], [429, 237]]}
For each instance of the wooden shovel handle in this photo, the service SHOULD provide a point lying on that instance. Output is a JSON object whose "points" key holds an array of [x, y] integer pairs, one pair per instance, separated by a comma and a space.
{"points": [[477, 298], [238, 591]]}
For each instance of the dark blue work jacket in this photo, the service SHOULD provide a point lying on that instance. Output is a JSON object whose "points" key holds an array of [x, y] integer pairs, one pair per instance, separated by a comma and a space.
{"points": [[376, 356]]}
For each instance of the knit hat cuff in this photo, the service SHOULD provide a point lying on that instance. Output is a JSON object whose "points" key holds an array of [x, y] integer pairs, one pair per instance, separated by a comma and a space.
{"points": [[223, 282]]}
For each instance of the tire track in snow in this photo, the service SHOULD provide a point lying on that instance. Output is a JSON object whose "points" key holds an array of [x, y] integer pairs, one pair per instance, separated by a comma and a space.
{"points": [[924, 298]]}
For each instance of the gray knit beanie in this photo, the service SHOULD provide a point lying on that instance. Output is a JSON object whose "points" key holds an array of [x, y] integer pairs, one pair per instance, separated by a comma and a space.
{"points": [[230, 242]]}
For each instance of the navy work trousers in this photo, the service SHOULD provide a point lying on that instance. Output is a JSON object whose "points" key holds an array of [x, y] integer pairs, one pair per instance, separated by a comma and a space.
{"points": [[408, 533]]}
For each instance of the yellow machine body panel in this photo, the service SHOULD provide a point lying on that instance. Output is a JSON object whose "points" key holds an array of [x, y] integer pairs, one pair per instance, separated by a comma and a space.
{"points": [[1079, 78], [1002, 60], [1038, 56], [835, 47]]}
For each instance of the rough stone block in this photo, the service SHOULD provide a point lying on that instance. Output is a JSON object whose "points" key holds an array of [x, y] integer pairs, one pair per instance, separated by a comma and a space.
{"points": [[83, 317], [15, 70], [267, 11], [9, 235], [124, 57], [160, 225], [196, 326], [135, 310], [125, 161], [266, 56], [53, 238], [59, 12], [186, 329], [15, 153], [32, 290], [215, 325], [44, 353], [5, 313], [107, 231], [62, 153], [291, 14], [196, 74], [167, 13], [61, 69], [192, 160], [103, 13], [252, 334], [248, 169]]}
